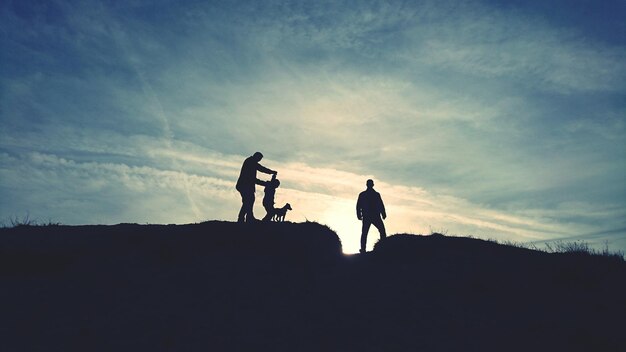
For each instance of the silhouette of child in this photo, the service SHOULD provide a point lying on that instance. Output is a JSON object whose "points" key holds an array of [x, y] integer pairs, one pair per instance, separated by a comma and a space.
{"points": [[268, 199]]}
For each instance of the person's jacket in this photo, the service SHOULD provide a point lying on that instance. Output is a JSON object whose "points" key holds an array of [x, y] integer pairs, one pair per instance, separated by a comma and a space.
{"points": [[247, 176], [370, 204]]}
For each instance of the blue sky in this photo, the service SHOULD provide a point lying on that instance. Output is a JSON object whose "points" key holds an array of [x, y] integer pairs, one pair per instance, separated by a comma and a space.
{"points": [[475, 118]]}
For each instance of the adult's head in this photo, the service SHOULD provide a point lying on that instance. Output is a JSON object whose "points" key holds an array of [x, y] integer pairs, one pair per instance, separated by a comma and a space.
{"points": [[370, 183], [257, 156]]}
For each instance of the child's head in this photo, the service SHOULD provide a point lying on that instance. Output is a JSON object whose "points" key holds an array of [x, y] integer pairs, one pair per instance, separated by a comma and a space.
{"points": [[275, 183]]}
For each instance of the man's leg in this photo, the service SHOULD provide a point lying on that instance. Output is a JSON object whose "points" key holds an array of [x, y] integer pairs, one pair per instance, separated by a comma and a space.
{"points": [[248, 206], [380, 225], [242, 211], [364, 231]]}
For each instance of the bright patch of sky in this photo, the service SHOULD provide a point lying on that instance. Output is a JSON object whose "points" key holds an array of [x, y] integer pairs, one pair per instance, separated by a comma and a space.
{"points": [[504, 122]]}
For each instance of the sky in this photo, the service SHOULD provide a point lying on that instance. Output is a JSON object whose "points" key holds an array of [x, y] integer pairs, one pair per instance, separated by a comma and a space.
{"points": [[473, 118]]}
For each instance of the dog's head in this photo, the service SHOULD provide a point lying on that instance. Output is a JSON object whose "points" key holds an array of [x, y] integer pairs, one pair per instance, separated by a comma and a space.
{"points": [[288, 206]]}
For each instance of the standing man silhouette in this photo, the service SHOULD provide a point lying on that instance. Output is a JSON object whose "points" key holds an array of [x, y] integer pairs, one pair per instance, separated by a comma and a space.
{"points": [[246, 185], [369, 208]]}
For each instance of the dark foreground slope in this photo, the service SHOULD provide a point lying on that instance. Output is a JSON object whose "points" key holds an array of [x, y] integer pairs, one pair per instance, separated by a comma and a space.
{"points": [[224, 286]]}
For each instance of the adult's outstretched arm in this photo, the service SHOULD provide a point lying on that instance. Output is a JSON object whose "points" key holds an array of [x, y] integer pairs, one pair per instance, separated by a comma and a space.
{"points": [[262, 168]]}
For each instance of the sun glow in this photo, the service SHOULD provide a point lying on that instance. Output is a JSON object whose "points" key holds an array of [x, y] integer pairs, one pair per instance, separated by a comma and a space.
{"points": [[341, 218]]}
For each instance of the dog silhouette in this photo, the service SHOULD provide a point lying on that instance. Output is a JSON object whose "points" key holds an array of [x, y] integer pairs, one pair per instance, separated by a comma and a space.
{"points": [[280, 213]]}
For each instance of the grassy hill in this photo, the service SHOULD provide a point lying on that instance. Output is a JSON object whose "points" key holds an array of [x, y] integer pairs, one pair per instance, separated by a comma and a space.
{"points": [[226, 286]]}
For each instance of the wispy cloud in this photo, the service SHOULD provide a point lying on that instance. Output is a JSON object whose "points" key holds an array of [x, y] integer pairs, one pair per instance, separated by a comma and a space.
{"points": [[526, 50]]}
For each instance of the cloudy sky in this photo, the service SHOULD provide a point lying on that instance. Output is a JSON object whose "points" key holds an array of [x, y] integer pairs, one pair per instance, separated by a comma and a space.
{"points": [[474, 118]]}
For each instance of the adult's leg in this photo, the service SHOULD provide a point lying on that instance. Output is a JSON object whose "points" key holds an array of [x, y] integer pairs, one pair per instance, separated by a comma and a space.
{"points": [[380, 225], [248, 205], [242, 212], [364, 231]]}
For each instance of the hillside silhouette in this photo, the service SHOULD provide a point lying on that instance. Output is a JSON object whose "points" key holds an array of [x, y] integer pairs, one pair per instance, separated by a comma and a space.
{"points": [[224, 286]]}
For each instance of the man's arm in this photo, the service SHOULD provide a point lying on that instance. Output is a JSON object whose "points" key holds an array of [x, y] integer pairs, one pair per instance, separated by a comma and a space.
{"points": [[382, 207], [359, 208], [262, 168]]}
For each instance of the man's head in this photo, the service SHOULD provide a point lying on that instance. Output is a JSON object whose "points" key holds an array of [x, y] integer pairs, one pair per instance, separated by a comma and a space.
{"points": [[257, 156], [370, 183]]}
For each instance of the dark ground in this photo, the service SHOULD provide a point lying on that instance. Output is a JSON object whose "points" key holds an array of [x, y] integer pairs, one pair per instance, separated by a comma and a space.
{"points": [[221, 286]]}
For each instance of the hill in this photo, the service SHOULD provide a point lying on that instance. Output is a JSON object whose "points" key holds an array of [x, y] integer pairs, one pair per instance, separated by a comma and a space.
{"points": [[282, 286]]}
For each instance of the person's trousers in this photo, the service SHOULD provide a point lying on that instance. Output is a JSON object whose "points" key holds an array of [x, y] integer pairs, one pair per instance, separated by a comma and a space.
{"points": [[367, 222], [247, 206], [269, 209]]}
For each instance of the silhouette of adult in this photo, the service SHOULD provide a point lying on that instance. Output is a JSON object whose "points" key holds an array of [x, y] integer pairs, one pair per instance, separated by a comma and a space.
{"points": [[246, 185], [369, 208]]}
